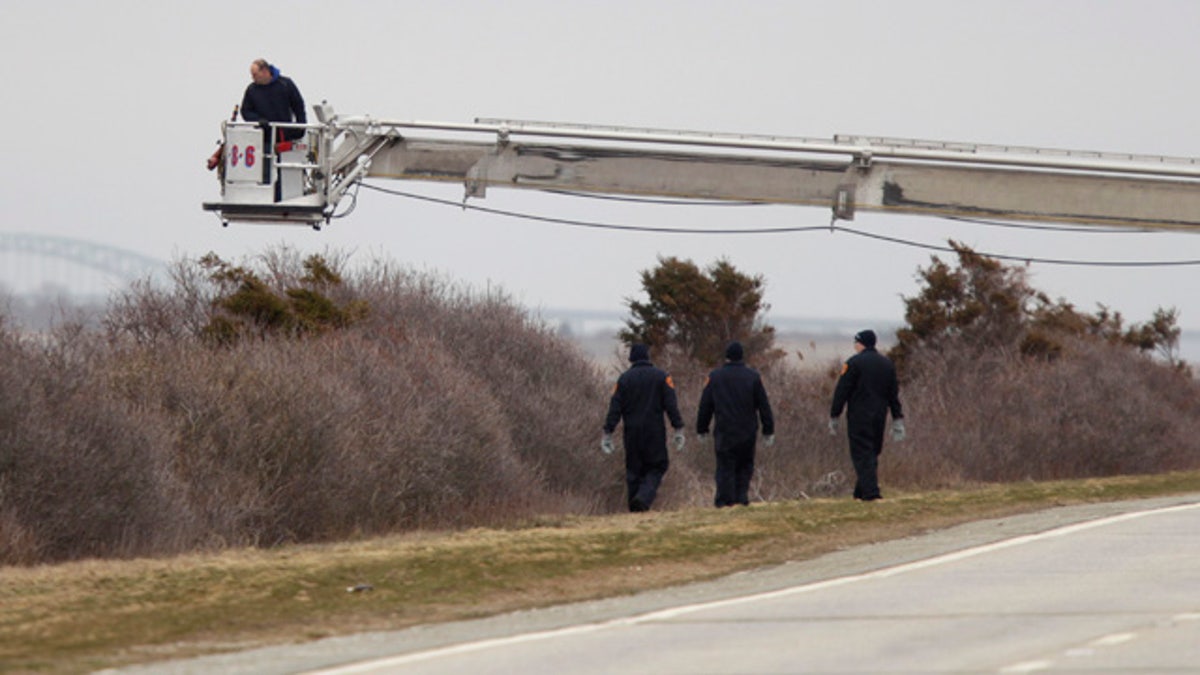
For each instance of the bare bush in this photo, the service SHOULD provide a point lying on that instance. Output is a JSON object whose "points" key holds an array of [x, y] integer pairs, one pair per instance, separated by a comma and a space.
{"points": [[1106, 410], [548, 392], [75, 475], [297, 441], [1103, 410], [440, 406]]}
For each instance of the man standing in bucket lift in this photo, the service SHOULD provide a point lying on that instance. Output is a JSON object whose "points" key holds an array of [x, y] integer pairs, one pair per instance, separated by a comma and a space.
{"points": [[643, 393], [270, 97]]}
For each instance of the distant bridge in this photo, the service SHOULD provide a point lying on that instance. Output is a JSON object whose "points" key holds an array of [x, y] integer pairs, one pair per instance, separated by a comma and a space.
{"points": [[24, 255]]}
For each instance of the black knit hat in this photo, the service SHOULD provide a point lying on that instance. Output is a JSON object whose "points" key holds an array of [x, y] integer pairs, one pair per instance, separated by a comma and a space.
{"points": [[865, 338], [734, 351], [638, 352]]}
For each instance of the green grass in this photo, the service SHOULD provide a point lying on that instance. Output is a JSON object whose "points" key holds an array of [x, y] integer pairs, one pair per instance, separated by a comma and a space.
{"points": [[80, 616]]}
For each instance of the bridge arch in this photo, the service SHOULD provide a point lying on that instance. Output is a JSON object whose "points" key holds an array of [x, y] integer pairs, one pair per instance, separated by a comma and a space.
{"points": [[19, 249]]}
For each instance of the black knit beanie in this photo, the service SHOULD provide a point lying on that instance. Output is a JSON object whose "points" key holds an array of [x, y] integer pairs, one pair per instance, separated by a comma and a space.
{"points": [[865, 338], [734, 351], [639, 352]]}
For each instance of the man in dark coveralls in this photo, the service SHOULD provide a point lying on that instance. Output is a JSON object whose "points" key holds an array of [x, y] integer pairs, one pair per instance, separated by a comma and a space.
{"points": [[643, 393], [869, 387], [736, 395]]}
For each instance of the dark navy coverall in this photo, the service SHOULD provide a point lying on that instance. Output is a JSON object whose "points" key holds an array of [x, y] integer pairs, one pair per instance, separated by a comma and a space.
{"points": [[869, 387], [736, 395], [643, 393]]}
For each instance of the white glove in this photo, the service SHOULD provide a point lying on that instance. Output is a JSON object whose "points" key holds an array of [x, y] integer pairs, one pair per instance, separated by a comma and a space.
{"points": [[768, 441], [898, 432], [606, 444], [833, 426], [679, 440]]}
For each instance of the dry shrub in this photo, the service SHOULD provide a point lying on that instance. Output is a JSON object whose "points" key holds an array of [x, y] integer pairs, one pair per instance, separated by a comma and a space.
{"points": [[1103, 410], [1100, 410], [550, 396], [439, 408], [314, 439], [445, 407], [80, 471], [806, 461]]}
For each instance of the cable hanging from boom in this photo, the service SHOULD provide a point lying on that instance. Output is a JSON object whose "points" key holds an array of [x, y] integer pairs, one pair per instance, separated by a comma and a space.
{"points": [[833, 227]]}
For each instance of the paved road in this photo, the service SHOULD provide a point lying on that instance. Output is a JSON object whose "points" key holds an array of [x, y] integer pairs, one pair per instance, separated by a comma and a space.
{"points": [[1100, 588]]}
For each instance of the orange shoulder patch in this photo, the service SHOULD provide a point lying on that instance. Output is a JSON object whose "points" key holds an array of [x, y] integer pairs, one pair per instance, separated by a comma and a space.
{"points": [[670, 382]]}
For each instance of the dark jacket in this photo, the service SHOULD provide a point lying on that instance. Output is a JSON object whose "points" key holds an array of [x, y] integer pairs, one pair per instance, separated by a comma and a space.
{"points": [[643, 393], [868, 385], [278, 101], [736, 395]]}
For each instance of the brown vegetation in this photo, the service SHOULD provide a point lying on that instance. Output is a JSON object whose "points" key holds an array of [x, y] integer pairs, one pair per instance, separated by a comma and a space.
{"points": [[292, 400], [434, 407]]}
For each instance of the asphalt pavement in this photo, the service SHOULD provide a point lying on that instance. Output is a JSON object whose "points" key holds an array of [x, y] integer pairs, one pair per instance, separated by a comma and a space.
{"points": [[1111, 587]]}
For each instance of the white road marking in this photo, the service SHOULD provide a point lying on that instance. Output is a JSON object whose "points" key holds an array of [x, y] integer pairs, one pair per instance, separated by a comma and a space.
{"points": [[1027, 667], [1077, 652], [1115, 639], [674, 612]]}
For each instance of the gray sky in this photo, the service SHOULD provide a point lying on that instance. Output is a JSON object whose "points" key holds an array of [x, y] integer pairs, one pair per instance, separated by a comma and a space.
{"points": [[112, 108]]}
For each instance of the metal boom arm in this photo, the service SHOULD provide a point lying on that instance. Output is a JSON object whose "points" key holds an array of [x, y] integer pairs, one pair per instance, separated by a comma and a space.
{"points": [[847, 174]]}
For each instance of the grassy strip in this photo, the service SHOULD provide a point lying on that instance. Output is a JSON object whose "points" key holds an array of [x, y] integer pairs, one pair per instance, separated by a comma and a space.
{"points": [[81, 616]]}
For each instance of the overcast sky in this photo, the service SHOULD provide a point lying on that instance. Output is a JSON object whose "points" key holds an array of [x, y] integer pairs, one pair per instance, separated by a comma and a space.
{"points": [[112, 107]]}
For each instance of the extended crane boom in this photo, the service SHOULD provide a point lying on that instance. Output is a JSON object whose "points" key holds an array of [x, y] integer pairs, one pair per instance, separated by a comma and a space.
{"points": [[302, 183]]}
